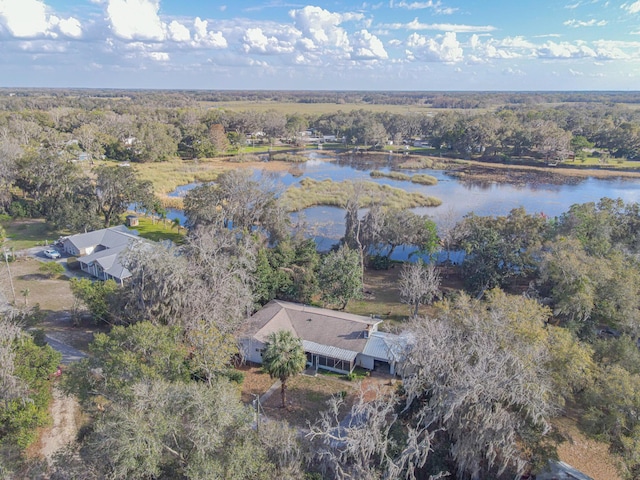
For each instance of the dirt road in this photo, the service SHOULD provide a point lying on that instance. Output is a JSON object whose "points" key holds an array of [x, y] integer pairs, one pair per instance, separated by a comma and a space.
{"points": [[65, 412]]}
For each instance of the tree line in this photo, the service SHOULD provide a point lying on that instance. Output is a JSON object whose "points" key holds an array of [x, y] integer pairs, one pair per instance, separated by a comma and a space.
{"points": [[156, 126]]}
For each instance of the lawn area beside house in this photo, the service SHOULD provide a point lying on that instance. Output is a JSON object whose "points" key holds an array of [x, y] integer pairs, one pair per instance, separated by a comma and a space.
{"points": [[52, 294], [158, 230], [27, 233], [307, 396], [382, 297]]}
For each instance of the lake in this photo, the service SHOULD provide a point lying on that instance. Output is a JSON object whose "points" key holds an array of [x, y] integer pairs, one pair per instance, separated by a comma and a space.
{"points": [[458, 197]]}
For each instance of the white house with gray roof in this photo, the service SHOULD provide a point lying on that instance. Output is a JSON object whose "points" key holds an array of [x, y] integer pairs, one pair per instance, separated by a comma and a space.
{"points": [[99, 251], [332, 340]]}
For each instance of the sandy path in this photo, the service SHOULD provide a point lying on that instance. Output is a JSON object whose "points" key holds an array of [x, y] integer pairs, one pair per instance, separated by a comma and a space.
{"points": [[64, 411]]}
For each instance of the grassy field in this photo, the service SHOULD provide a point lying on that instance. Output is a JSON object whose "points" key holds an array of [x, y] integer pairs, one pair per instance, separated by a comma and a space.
{"points": [[598, 162], [318, 108]]}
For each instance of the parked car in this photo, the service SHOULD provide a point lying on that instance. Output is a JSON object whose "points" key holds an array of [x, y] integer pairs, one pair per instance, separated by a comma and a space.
{"points": [[51, 253]]}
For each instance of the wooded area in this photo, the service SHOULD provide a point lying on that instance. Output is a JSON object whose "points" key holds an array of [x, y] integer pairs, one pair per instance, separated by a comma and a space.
{"points": [[548, 318]]}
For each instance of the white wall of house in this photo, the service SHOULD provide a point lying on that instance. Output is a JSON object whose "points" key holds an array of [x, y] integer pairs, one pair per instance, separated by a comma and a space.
{"points": [[250, 349], [365, 361]]}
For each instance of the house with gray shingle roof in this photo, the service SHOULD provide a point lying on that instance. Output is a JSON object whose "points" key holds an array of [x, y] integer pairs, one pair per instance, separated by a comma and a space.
{"points": [[332, 340], [99, 251]]}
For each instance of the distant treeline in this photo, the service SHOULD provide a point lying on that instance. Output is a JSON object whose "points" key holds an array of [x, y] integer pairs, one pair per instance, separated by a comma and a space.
{"points": [[43, 98], [146, 126]]}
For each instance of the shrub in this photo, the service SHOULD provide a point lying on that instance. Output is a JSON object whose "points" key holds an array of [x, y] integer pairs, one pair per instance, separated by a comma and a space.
{"points": [[39, 337], [380, 262], [19, 209], [235, 376], [51, 269]]}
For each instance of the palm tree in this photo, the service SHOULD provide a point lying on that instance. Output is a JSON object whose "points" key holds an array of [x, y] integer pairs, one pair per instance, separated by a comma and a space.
{"points": [[283, 358]]}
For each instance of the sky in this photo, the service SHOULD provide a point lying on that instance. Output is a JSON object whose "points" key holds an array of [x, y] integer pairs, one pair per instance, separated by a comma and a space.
{"points": [[323, 45]]}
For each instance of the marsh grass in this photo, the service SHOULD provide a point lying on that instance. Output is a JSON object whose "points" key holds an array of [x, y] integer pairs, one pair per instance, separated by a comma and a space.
{"points": [[172, 202], [403, 177], [421, 178], [311, 193], [288, 157], [424, 179], [434, 163], [166, 176]]}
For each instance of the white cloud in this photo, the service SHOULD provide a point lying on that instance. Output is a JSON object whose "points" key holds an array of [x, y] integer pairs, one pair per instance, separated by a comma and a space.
{"points": [[445, 27], [136, 19], [178, 32], [30, 18], [322, 26], [203, 37], [631, 7], [516, 42], [448, 50], [255, 41], [435, 6], [159, 56], [70, 27], [579, 23], [492, 49], [575, 73], [367, 46], [513, 71], [564, 50]]}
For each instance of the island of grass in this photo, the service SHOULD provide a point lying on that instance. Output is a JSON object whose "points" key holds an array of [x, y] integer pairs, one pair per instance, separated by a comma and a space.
{"points": [[311, 193], [288, 157], [420, 178]]}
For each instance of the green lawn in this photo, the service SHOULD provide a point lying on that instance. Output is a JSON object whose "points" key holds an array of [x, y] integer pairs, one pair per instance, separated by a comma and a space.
{"points": [[159, 231], [612, 163]]}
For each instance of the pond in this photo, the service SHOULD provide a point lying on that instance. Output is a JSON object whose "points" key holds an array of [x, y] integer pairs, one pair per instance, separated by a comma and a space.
{"points": [[458, 197]]}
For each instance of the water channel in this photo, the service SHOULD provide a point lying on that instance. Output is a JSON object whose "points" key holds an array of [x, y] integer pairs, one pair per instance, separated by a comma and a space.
{"points": [[458, 197]]}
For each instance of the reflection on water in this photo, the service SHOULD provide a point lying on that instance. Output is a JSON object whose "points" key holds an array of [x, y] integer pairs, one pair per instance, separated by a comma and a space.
{"points": [[458, 197]]}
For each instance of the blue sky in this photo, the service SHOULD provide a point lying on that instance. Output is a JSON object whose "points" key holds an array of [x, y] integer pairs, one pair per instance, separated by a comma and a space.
{"points": [[322, 45]]}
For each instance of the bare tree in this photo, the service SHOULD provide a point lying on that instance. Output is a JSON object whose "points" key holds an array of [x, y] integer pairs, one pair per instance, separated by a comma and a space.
{"points": [[361, 445], [208, 279], [419, 284], [473, 373], [11, 386], [447, 230]]}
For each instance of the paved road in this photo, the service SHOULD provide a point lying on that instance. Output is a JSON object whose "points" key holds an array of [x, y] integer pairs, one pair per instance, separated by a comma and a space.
{"points": [[69, 354]]}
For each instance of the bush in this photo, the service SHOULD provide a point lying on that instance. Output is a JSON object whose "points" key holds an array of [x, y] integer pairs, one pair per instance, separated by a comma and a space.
{"points": [[235, 376], [51, 269], [380, 262], [19, 209], [39, 337]]}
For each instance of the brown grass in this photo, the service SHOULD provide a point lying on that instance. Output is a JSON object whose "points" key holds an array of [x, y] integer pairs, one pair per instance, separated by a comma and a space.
{"points": [[307, 396], [587, 455], [53, 295]]}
